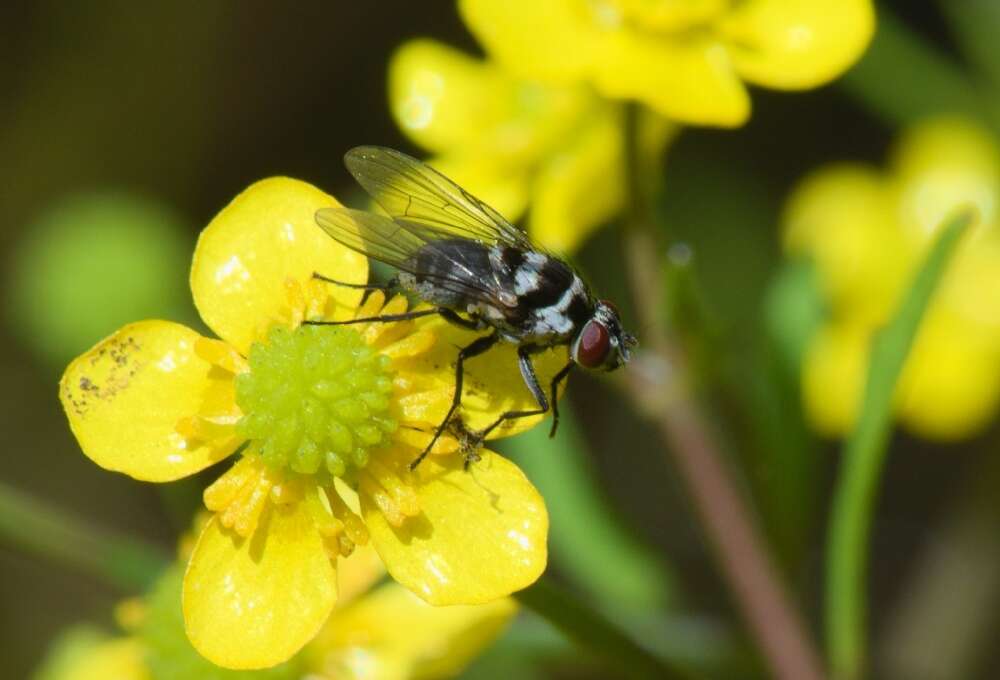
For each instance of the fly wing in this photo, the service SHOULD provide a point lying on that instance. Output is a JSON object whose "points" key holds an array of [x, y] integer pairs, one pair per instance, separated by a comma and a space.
{"points": [[388, 241], [371, 235], [426, 202]]}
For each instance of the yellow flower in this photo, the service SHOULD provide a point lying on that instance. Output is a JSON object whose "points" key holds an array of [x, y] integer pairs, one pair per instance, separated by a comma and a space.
{"points": [[323, 421], [390, 634], [866, 232], [687, 59], [515, 142], [82, 653], [380, 633]]}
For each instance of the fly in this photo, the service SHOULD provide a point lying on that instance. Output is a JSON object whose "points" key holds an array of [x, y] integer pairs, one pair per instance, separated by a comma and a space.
{"points": [[478, 271]]}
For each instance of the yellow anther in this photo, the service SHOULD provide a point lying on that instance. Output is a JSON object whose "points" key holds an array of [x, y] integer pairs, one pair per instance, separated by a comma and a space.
{"points": [[219, 353], [354, 526], [243, 514], [286, 493], [316, 299], [386, 505], [201, 429], [402, 494], [226, 488], [410, 345], [419, 439]]}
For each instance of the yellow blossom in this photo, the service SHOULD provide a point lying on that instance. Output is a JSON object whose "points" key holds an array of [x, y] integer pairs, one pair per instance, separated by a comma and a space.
{"points": [[686, 59], [375, 633], [866, 231], [323, 422], [82, 653], [515, 142]]}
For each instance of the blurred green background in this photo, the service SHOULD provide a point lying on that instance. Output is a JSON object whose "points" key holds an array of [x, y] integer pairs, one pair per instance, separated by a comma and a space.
{"points": [[124, 127]]}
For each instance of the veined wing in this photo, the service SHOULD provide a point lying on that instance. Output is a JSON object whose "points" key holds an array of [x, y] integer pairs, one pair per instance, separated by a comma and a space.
{"points": [[395, 244], [425, 201]]}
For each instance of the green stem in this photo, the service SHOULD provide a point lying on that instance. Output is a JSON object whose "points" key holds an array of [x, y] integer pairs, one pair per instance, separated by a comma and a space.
{"points": [[37, 527], [660, 385], [903, 78], [593, 632], [863, 458]]}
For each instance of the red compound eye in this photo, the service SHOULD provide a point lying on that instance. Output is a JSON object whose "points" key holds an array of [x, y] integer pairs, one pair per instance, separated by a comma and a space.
{"points": [[592, 348]]}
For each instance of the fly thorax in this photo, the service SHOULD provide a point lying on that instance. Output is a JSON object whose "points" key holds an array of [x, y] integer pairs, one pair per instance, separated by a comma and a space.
{"points": [[315, 400]]}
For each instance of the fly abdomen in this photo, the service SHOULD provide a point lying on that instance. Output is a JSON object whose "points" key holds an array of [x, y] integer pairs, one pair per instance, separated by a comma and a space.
{"points": [[550, 300]]}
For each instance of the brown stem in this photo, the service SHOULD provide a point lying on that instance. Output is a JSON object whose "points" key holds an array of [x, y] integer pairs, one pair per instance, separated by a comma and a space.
{"points": [[659, 383]]}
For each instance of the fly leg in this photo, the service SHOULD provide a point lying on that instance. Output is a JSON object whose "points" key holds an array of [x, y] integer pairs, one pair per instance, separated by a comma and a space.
{"points": [[554, 387], [387, 287], [449, 315], [391, 284], [475, 348], [404, 316], [524, 353]]}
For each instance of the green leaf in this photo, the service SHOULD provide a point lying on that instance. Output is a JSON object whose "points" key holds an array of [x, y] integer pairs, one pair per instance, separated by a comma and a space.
{"points": [[863, 457]]}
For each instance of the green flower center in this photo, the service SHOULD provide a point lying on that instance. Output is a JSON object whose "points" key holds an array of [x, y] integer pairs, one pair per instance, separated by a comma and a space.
{"points": [[315, 400]]}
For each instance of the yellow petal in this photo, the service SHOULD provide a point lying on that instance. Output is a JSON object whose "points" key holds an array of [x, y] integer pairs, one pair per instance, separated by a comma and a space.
{"points": [[833, 377], [843, 218], [552, 40], [950, 385], [671, 15], [481, 534], [582, 186], [795, 44], [122, 659], [943, 164], [493, 383], [392, 634], [443, 98], [691, 81], [253, 603], [265, 237], [126, 395], [358, 572], [971, 285]]}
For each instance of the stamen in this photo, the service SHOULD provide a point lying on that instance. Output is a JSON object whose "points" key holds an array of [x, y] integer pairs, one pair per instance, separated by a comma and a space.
{"points": [[226, 488], [354, 526], [219, 354], [201, 429], [242, 516], [402, 494], [410, 345], [296, 301]]}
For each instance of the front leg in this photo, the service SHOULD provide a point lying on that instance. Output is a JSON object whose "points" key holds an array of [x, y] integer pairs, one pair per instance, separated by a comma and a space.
{"points": [[559, 377], [524, 353], [475, 348]]}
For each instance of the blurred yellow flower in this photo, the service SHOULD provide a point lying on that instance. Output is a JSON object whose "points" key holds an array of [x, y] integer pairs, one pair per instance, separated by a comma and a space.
{"points": [[83, 653], [866, 232], [515, 142], [324, 421], [374, 633], [686, 59]]}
